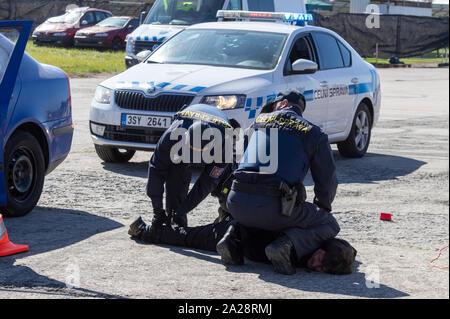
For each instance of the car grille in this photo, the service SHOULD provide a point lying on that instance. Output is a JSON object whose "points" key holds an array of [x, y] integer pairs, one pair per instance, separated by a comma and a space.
{"points": [[163, 103], [144, 45], [134, 135]]}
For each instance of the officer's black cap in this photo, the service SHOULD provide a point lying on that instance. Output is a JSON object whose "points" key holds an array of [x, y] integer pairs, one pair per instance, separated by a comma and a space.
{"points": [[292, 96]]}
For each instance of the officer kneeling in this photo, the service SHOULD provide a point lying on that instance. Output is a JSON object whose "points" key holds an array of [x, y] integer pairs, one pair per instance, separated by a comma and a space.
{"points": [[271, 196], [173, 169]]}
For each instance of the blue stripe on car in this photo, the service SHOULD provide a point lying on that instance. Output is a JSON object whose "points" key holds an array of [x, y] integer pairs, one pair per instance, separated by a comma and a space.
{"points": [[197, 89]]}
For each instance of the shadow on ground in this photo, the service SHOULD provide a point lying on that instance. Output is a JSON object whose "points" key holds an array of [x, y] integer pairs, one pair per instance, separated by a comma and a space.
{"points": [[135, 169], [44, 230], [353, 285], [371, 168]]}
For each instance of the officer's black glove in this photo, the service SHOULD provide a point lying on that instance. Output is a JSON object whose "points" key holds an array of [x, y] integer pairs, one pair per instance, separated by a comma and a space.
{"points": [[179, 220], [160, 217]]}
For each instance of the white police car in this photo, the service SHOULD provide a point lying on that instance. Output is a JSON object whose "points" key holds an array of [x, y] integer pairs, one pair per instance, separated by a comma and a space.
{"points": [[239, 67]]}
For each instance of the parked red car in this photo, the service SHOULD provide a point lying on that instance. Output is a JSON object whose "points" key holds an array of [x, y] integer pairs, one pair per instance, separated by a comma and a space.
{"points": [[109, 33], [60, 30]]}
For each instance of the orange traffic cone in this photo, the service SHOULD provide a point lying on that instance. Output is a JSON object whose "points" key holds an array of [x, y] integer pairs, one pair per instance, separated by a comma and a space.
{"points": [[7, 247]]}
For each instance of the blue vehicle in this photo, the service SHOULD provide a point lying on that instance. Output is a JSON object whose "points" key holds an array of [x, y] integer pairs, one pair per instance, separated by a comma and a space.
{"points": [[35, 120]]}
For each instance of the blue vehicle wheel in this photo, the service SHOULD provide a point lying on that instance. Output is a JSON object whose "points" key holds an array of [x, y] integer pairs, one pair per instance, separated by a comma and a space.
{"points": [[24, 175]]}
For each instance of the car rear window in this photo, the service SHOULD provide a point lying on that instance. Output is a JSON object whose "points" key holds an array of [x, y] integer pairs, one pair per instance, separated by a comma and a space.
{"points": [[329, 53]]}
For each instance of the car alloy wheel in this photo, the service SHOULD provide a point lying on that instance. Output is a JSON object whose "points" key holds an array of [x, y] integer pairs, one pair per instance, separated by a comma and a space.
{"points": [[362, 130]]}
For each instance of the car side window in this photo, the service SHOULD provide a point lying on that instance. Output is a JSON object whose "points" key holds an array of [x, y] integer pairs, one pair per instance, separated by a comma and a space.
{"points": [[89, 18], [100, 16], [329, 53], [301, 49], [134, 23], [346, 54], [4, 58]]}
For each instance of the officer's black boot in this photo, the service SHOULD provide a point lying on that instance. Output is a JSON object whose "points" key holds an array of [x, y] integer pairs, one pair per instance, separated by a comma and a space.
{"points": [[223, 214], [160, 217], [136, 228], [229, 247], [281, 253]]}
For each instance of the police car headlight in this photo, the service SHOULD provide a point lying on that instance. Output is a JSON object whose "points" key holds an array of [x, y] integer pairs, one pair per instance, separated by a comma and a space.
{"points": [[103, 95], [225, 102]]}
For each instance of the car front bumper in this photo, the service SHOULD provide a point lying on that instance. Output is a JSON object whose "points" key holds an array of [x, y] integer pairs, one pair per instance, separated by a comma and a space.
{"points": [[52, 40], [92, 42], [121, 136]]}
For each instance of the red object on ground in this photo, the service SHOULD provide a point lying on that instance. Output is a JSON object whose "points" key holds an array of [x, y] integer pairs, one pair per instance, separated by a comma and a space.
{"points": [[385, 216], [6, 247]]}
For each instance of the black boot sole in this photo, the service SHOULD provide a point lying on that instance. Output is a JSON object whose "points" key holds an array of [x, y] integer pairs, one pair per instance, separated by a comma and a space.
{"points": [[225, 255], [281, 261]]}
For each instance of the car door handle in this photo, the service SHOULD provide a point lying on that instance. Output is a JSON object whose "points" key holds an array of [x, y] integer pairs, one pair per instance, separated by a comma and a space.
{"points": [[355, 80], [324, 83]]}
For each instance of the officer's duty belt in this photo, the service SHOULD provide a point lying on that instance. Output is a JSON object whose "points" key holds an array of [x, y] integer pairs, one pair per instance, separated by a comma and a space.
{"points": [[256, 189]]}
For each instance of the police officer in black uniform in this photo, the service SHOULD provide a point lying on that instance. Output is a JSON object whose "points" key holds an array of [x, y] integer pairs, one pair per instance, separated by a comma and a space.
{"points": [[174, 170], [273, 198]]}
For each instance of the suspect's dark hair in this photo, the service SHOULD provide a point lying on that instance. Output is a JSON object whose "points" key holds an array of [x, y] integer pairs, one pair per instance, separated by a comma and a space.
{"points": [[339, 257]]}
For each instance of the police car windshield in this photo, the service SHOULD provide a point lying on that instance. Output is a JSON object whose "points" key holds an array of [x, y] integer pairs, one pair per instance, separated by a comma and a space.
{"points": [[181, 12], [70, 17], [227, 48]]}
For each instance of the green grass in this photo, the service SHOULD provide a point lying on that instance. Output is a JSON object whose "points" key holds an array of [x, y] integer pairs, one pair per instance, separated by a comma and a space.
{"points": [[76, 61], [90, 61], [406, 60]]}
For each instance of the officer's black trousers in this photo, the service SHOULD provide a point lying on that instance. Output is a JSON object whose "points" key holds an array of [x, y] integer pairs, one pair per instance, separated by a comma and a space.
{"points": [[177, 186], [308, 226]]}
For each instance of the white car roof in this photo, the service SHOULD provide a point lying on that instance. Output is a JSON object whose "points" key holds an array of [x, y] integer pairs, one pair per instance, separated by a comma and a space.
{"points": [[251, 26]]}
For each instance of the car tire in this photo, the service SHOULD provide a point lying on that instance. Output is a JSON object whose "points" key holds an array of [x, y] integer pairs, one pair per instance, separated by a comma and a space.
{"points": [[113, 155], [24, 174], [117, 44], [358, 140]]}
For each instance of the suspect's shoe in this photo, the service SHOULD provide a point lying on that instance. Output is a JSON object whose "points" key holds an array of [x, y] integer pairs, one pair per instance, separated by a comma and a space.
{"points": [[137, 228], [281, 253], [230, 249]]}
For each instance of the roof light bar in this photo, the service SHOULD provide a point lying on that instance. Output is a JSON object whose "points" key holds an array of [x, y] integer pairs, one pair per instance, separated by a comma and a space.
{"points": [[256, 15]]}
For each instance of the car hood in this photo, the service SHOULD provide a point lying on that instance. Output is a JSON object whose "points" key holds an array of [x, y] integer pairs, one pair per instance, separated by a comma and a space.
{"points": [[155, 33], [97, 29], [53, 27], [190, 79]]}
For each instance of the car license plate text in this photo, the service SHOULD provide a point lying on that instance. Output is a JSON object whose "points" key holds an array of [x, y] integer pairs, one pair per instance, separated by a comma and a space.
{"points": [[146, 121]]}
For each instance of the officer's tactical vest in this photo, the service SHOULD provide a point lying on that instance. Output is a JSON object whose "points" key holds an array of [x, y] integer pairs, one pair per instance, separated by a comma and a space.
{"points": [[205, 113], [293, 133]]}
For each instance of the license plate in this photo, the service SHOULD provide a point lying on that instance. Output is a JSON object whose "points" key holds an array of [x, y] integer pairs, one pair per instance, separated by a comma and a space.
{"points": [[146, 121]]}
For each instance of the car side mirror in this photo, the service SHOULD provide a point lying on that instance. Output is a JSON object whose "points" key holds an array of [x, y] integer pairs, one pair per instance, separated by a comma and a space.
{"points": [[131, 27], [84, 22], [303, 66], [141, 56]]}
